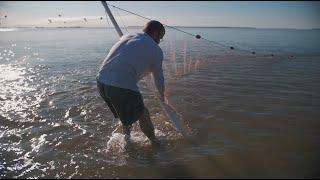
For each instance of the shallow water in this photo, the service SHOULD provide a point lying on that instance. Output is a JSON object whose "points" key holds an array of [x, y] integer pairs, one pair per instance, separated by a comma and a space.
{"points": [[248, 116]]}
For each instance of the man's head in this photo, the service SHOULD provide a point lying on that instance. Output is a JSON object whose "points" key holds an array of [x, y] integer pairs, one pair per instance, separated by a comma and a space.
{"points": [[155, 30]]}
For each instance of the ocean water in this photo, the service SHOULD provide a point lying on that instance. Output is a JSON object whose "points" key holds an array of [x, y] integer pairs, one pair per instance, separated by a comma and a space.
{"points": [[248, 116]]}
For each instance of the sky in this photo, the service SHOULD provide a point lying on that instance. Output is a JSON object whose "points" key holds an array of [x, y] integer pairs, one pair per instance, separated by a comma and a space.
{"points": [[258, 14]]}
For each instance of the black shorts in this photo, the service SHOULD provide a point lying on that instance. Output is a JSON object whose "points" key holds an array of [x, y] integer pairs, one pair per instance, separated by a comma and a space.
{"points": [[125, 104]]}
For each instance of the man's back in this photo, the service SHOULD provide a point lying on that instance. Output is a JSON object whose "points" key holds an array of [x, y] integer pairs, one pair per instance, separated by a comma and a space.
{"points": [[129, 60]]}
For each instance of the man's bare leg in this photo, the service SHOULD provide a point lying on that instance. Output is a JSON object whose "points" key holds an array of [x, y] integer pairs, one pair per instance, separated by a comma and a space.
{"points": [[126, 131], [147, 128]]}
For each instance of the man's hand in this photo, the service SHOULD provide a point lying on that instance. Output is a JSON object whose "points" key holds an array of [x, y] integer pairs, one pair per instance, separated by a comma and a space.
{"points": [[163, 98]]}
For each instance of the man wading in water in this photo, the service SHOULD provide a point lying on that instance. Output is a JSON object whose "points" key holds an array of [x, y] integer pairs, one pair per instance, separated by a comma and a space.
{"points": [[132, 58]]}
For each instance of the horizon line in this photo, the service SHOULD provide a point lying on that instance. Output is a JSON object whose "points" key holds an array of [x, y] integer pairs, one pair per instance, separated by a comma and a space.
{"points": [[111, 27], [169, 27]]}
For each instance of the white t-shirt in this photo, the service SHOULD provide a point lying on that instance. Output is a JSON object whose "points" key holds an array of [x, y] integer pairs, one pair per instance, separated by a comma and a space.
{"points": [[131, 59]]}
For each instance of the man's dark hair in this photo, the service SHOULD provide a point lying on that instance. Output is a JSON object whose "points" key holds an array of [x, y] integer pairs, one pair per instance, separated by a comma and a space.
{"points": [[153, 26]]}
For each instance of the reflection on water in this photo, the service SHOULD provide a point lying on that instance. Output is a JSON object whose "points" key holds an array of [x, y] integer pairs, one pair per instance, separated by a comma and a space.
{"points": [[250, 116]]}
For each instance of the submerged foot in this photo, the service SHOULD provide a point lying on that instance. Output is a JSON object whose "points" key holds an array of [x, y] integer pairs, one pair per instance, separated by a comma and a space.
{"points": [[128, 143], [127, 138], [155, 143]]}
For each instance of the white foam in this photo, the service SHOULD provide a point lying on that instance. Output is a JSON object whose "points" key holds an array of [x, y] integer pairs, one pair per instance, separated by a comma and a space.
{"points": [[116, 143]]}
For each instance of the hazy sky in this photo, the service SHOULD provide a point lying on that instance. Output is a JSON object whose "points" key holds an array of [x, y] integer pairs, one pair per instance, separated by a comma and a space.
{"points": [[260, 14]]}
